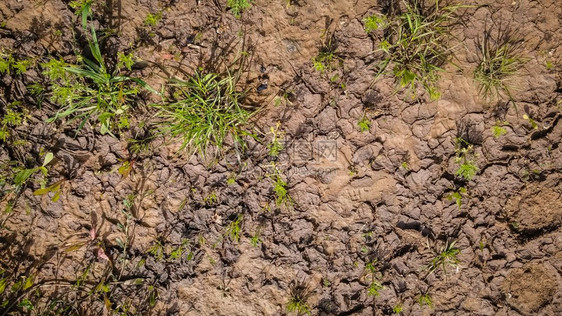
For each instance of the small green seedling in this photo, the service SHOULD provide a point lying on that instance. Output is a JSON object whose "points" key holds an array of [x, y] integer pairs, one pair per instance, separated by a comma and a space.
{"points": [[425, 300], [375, 22], [326, 60], [280, 188], [11, 119], [211, 199], [231, 180], [532, 122], [237, 7], [157, 251], [255, 240], [465, 157], [364, 124], [457, 196], [375, 285], [183, 248], [398, 308], [446, 257], [233, 230], [323, 61], [498, 130], [276, 145], [153, 19]]}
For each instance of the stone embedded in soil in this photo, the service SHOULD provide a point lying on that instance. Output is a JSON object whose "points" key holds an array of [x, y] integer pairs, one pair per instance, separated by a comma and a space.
{"points": [[529, 288], [534, 209]]}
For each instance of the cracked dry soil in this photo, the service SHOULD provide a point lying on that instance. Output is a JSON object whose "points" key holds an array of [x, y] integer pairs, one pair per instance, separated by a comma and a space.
{"points": [[360, 198]]}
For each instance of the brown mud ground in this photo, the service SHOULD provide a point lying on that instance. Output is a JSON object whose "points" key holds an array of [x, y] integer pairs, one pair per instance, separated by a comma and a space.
{"points": [[378, 197]]}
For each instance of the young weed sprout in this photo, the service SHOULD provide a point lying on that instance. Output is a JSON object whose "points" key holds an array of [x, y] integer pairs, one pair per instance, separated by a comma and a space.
{"points": [[415, 43], [282, 196], [239, 6], [466, 159], [446, 256], [205, 111]]}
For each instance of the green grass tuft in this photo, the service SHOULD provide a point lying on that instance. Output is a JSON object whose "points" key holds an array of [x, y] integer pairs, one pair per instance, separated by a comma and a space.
{"points": [[205, 110], [499, 61], [416, 44]]}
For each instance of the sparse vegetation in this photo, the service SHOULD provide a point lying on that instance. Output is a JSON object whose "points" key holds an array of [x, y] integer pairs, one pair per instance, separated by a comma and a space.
{"points": [[237, 7], [282, 197], [205, 111], [425, 300], [374, 275], [465, 158], [498, 130], [445, 257], [416, 43], [275, 146], [364, 124], [457, 196], [90, 90], [499, 61], [179, 189], [299, 294]]}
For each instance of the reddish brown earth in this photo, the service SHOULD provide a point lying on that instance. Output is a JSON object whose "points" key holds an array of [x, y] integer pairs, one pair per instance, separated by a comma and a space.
{"points": [[380, 195]]}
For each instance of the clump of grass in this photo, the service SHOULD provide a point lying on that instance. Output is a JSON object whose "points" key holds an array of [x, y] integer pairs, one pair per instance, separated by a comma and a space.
{"points": [[237, 7], [416, 43], [299, 294], [499, 61], [446, 256], [205, 111]]}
